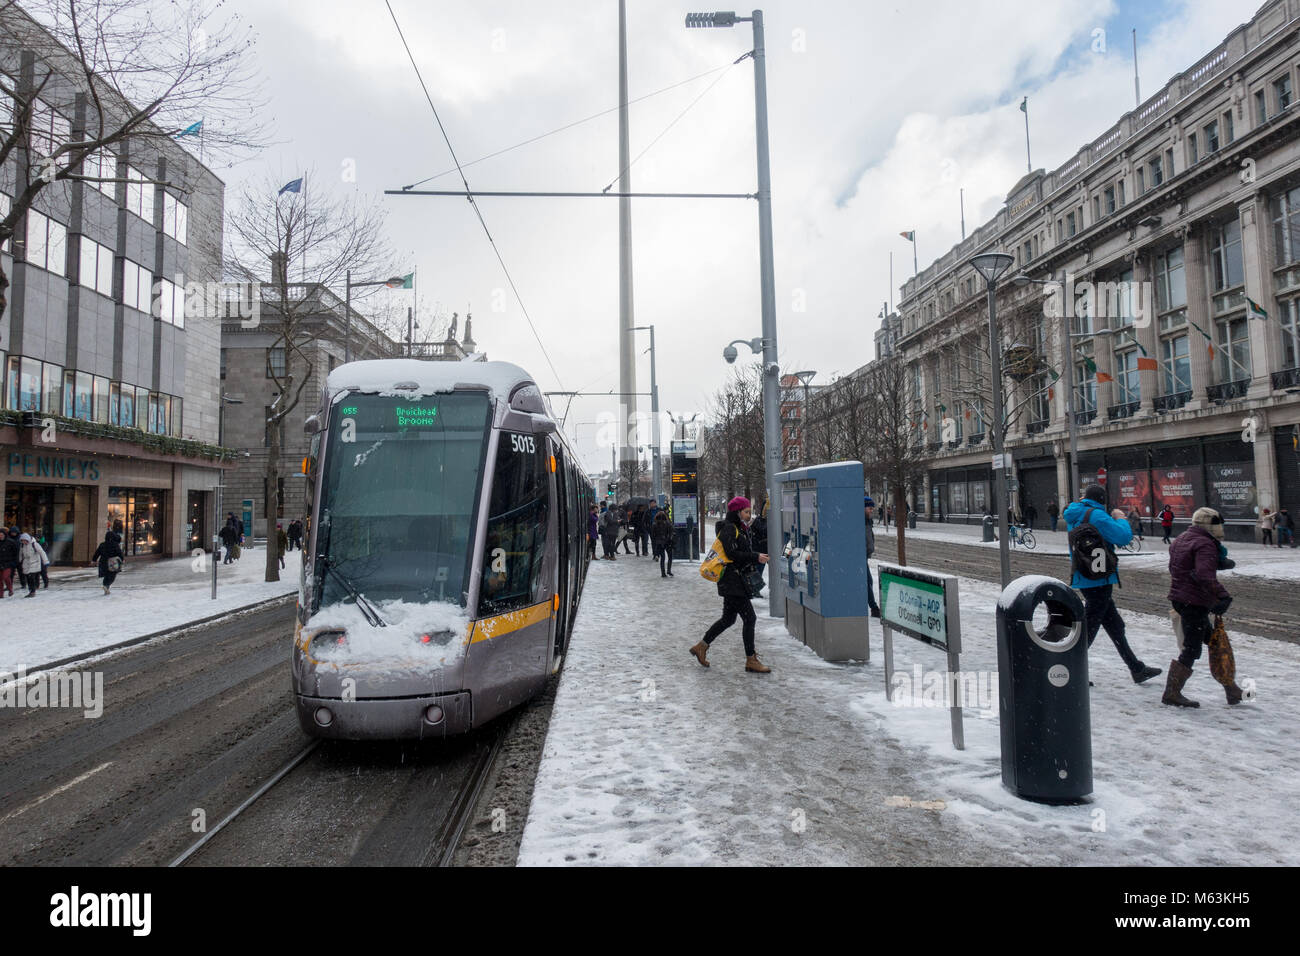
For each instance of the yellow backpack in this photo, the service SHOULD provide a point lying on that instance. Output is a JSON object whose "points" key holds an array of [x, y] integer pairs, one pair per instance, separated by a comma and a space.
{"points": [[715, 563]]}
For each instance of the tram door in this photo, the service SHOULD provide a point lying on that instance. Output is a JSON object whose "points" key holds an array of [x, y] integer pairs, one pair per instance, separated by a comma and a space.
{"points": [[563, 520]]}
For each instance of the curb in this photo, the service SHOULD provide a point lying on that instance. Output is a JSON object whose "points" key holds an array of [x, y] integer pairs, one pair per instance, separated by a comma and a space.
{"points": [[260, 605]]}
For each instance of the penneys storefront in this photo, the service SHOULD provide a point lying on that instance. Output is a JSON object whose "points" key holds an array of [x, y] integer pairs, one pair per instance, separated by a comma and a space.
{"points": [[69, 499]]}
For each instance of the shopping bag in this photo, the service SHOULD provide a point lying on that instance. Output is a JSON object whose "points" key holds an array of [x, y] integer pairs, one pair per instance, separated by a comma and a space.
{"points": [[1223, 665], [714, 563]]}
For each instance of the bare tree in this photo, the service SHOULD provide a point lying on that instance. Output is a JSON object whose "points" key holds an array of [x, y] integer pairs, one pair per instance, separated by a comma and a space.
{"points": [[82, 81], [731, 459], [275, 232], [894, 450]]}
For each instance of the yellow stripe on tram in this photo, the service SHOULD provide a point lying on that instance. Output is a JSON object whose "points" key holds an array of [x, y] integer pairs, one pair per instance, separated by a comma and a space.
{"points": [[502, 624]]}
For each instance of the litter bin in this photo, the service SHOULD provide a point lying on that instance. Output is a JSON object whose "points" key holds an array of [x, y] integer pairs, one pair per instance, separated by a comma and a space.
{"points": [[1043, 692], [989, 525], [911, 519]]}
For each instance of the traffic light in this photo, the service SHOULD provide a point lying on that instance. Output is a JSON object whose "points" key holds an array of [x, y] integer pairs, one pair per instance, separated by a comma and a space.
{"points": [[613, 487]]}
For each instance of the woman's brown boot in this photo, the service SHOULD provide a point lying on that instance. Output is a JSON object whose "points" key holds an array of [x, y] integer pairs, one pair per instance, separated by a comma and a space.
{"points": [[1178, 674], [752, 663], [700, 650]]}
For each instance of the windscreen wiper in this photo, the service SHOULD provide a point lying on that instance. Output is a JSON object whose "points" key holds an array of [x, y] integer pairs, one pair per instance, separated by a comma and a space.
{"points": [[368, 609]]}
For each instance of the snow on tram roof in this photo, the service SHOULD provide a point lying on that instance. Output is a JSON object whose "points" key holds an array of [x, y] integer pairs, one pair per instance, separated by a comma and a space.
{"points": [[399, 375]]}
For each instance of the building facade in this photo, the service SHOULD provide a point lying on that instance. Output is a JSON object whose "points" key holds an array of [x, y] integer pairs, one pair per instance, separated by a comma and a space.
{"points": [[108, 379], [250, 350], [1166, 264]]}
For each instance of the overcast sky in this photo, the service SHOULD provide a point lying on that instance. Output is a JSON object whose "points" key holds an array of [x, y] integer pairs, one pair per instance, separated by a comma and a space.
{"points": [[879, 113]]}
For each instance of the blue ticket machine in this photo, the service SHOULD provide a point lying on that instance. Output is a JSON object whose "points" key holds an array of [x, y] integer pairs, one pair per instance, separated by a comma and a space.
{"points": [[823, 559]]}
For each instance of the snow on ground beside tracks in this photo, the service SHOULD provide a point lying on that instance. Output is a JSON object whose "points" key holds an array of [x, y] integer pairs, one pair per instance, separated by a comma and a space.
{"points": [[651, 759], [74, 617]]}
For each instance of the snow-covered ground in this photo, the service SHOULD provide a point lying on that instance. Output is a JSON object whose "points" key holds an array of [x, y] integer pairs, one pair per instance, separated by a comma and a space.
{"points": [[1253, 560], [652, 759], [74, 617]]}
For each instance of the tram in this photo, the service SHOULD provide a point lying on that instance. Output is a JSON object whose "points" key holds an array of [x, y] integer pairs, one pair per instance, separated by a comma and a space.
{"points": [[446, 553]]}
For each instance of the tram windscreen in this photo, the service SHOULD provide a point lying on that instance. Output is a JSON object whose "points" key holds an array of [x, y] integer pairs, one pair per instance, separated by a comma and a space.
{"points": [[402, 478]]}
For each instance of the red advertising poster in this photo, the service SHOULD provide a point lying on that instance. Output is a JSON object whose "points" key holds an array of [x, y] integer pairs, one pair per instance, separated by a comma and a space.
{"points": [[1231, 489], [1180, 488], [1131, 489]]}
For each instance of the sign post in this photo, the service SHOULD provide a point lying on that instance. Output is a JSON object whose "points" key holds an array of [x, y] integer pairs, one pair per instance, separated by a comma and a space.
{"points": [[925, 606]]}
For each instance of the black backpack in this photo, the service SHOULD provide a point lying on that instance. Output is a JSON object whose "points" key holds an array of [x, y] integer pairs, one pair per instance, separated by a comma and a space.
{"points": [[1091, 555]]}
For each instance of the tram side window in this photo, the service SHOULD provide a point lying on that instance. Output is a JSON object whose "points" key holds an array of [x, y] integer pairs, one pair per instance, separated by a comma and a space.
{"points": [[516, 529]]}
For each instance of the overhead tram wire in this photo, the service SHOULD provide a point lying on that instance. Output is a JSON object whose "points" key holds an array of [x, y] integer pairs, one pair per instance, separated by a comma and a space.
{"points": [[568, 126], [470, 197], [668, 127]]}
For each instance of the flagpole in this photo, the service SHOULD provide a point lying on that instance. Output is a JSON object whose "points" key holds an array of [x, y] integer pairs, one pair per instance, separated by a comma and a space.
{"points": [[891, 282], [961, 194], [915, 270], [1024, 108]]}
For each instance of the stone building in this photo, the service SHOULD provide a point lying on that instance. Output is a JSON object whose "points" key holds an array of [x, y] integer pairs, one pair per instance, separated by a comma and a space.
{"points": [[1165, 256], [108, 377]]}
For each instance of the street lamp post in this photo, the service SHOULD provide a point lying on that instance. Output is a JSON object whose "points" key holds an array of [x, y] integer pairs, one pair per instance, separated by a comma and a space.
{"points": [[804, 378], [992, 265], [654, 411], [393, 282], [767, 272], [222, 402]]}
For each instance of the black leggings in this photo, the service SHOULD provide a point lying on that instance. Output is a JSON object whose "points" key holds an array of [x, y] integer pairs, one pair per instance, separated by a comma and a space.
{"points": [[731, 608], [1196, 631], [666, 554], [1099, 608]]}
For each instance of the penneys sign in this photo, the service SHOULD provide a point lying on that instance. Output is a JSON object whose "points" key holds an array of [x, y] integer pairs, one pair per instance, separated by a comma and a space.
{"points": [[27, 465]]}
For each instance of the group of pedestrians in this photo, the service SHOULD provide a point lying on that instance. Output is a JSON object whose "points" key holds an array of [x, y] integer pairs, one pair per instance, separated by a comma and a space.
{"points": [[1195, 591], [1282, 522], [22, 556], [647, 527]]}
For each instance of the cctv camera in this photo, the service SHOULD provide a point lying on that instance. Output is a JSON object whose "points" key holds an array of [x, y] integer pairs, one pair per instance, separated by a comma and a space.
{"points": [[730, 353]]}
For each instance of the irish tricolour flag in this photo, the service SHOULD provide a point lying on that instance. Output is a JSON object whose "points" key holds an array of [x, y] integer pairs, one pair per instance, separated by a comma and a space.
{"points": [[1255, 310]]}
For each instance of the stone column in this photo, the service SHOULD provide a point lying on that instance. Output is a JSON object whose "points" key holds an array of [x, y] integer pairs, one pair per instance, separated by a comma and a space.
{"points": [[1198, 311], [1266, 482], [1257, 258], [1145, 329]]}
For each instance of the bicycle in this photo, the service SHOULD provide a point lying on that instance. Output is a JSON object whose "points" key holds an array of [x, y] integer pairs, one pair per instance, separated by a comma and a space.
{"points": [[1134, 546], [1021, 535]]}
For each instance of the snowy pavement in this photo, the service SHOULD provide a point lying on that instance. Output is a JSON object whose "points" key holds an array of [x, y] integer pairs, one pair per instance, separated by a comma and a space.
{"points": [[652, 759], [73, 617]]}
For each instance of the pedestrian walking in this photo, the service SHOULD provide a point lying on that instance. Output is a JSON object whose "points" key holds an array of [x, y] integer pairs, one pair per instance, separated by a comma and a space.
{"points": [[661, 535], [109, 557], [1031, 515], [1195, 593], [1053, 512], [1093, 537], [867, 505], [10, 551], [625, 529], [1285, 525], [1135, 522], [1166, 522], [230, 538], [641, 528], [609, 528], [295, 534], [281, 542], [758, 538], [733, 585], [593, 531], [1266, 519], [31, 557]]}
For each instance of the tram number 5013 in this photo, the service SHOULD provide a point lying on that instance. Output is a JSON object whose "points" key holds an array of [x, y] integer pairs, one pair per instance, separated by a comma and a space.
{"points": [[523, 444]]}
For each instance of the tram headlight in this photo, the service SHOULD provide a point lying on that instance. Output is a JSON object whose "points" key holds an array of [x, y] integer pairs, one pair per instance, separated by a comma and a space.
{"points": [[326, 641]]}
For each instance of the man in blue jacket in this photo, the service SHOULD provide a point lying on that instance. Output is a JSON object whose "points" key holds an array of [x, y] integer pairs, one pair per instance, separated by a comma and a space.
{"points": [[1099, 605]]}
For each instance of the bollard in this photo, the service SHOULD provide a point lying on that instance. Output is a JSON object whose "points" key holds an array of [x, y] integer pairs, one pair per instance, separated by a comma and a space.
{"points": [[1043, 692]]}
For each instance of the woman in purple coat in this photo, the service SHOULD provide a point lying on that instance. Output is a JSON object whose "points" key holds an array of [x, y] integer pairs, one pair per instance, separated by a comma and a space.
{"points": [[1195, 592]]}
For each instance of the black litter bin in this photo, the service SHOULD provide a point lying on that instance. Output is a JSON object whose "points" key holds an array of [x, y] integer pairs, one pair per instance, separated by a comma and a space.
{"points": [[911, 519], [989, 525], [1043, 692]]}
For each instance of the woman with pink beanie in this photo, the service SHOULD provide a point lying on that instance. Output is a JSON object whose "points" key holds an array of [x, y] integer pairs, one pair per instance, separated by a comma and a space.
{"points": [[733, 586]]}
